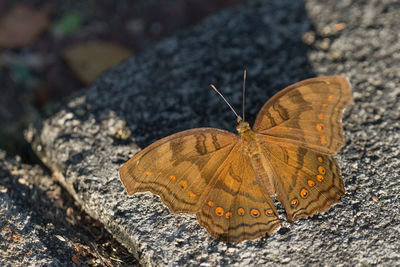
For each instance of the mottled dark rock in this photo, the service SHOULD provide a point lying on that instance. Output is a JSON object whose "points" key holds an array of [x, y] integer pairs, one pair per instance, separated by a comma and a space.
{"points": [[41, 226], [167, 90], [29, 237]]}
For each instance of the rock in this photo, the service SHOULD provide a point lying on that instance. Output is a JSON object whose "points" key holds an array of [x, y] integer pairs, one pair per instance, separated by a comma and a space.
{"points": [[166, 90], [28, 237], [41, 226]]}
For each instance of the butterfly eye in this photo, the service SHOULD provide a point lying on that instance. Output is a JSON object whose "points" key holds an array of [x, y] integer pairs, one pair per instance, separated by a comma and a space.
{"points": [[320, 159], [228, 215]]}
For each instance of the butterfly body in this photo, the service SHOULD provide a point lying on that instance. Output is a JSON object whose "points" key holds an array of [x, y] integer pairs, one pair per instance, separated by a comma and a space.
{"points": [[248, 139], [251, 147], [227, 180]]}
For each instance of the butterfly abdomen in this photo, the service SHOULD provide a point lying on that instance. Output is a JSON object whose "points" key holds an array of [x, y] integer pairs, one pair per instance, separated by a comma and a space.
{"points": [[263, 173]]}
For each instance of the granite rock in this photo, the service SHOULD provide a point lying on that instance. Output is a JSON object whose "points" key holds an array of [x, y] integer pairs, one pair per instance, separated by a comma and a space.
{"points": [[29, 237]]}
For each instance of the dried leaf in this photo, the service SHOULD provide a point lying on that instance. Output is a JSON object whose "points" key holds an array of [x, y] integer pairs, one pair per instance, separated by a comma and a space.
{"points": [[22, 25], [89, 60]]}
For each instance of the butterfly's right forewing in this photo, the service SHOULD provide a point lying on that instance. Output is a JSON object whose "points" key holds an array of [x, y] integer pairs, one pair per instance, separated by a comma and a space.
{"points": [[180, 168]]}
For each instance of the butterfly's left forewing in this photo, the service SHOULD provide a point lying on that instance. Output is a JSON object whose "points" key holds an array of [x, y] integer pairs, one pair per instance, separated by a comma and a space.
{"points": [[307, 113], [180, 168]]}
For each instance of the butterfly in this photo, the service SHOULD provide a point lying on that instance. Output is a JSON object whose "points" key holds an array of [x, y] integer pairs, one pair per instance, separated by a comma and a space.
{"points": [[230, 180]]}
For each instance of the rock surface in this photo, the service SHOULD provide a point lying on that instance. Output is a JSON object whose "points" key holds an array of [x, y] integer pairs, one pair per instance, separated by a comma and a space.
{"points": [[166, 90], [27, 239], [41, 226]]}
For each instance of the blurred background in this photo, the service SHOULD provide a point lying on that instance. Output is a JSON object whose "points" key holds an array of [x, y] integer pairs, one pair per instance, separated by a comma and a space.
{"points": [[49, 50]]}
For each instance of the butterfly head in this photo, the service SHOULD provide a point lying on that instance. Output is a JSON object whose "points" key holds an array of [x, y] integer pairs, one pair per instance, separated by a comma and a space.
{"points": [[242, 127]]}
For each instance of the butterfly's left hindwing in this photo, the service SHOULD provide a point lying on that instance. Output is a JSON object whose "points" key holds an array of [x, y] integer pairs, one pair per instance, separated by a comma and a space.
{"points": [[179, 168], [306, 182]]}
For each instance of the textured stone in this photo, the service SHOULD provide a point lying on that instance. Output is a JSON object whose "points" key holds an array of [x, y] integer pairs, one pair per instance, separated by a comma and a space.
{"points": [[28, 238], [166, 90]]}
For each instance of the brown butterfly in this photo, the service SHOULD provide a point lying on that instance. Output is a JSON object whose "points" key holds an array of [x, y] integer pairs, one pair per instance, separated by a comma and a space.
{"points": [[229, 180]]}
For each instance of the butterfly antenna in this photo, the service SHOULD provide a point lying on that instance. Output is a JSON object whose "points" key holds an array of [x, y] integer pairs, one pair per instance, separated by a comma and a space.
{"points": [[244, 91], [218, 92]]}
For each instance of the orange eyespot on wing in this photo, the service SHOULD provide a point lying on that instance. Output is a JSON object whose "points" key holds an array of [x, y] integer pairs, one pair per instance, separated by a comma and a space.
{"points": [[219, 211]]}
